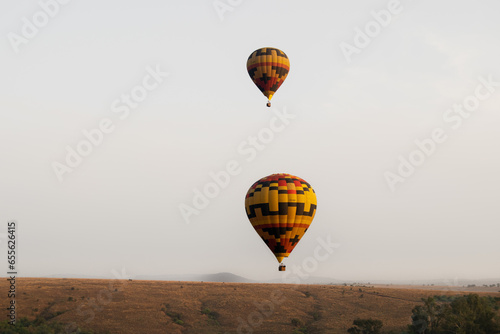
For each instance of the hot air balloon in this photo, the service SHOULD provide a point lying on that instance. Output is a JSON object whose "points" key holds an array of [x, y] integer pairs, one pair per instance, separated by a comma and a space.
{"points": [[268, 68], [281, 207]]}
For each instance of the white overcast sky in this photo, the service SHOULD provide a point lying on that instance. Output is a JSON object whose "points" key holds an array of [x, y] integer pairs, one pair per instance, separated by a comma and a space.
{"points": [[352, 120]]}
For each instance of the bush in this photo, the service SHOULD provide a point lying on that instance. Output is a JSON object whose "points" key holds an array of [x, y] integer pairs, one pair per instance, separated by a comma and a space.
{"points": [[316, 316], [39, 325], [176, 317], [297, 322], [366, 326], [464, 315], [302, 330], [211, 315]]}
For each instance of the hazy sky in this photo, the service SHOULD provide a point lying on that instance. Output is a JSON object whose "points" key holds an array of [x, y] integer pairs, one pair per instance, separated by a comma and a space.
{"points": [[368, 81]]}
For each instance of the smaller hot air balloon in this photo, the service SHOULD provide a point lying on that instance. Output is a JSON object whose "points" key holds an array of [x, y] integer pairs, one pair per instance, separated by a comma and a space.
{"points": [[280, 208], [268, 68]]}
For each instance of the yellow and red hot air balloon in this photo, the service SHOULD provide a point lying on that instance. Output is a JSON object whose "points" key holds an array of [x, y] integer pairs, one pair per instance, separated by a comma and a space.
{"points": [[281, 208], [268, 68]]}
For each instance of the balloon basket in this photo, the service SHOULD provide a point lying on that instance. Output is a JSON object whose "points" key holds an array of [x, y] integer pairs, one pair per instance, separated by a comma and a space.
{"points": [[282, 267], [268, 104]]}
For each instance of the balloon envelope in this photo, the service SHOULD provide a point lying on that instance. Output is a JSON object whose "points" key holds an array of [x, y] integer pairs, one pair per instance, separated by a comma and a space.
{"points": [[281, 208], [268, 68]]}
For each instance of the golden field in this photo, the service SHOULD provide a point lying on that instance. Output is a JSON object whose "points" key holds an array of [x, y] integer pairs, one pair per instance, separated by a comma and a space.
{"points": [[125, 306]]}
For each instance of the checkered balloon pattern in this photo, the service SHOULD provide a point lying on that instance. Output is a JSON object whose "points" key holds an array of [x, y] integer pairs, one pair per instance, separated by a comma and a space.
{"points": [[268, 68], [281, 207]]}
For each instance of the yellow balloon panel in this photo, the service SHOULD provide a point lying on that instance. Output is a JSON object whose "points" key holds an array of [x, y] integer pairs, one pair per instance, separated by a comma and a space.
{"points": [[281, 208], [268, 68]]}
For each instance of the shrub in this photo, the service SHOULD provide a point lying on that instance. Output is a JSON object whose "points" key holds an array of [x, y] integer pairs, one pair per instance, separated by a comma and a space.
{"points": [[463, 315], [366, 326], [176, 317], [302, 330], [211, 315], [23, 325], [316, 316]]}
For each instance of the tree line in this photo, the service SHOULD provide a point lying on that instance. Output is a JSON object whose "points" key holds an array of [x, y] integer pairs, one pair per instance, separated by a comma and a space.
{"points": [[468, 314]]}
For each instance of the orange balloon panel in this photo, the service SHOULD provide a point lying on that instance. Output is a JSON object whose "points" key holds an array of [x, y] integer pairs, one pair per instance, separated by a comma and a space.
{"points": [[281, 207], [268, 68]]}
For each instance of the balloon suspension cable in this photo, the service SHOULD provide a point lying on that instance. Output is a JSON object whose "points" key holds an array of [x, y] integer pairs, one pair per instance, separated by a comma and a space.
{"points": [[268, 103]]}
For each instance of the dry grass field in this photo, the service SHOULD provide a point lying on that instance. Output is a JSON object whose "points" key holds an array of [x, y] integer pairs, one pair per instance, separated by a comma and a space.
{"points": [[123, 306]]}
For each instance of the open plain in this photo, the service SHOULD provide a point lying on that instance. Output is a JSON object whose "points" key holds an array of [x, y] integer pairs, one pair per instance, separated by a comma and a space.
{"points": [[132, 306]]}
